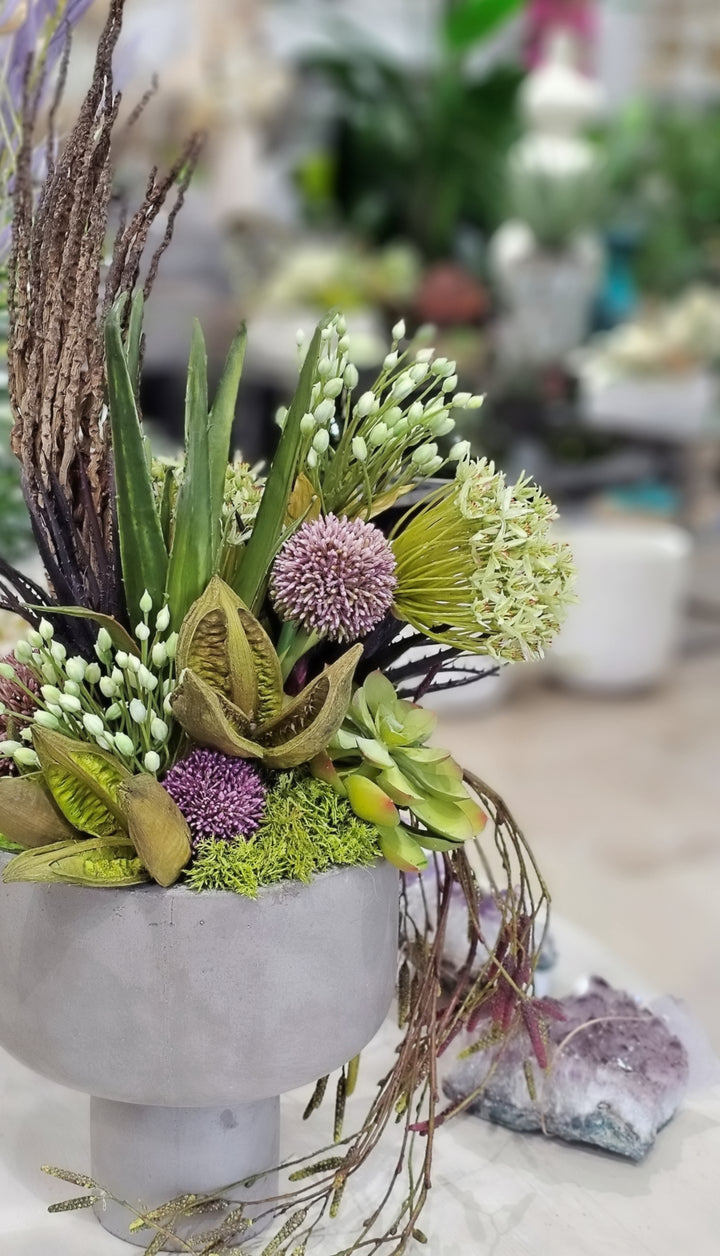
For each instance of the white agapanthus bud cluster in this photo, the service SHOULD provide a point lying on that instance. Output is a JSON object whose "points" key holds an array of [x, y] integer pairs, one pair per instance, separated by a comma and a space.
{"points": [[120, 700], [358, 447]]}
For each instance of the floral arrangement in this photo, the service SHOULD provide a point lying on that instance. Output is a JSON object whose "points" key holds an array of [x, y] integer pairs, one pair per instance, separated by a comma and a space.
{"points": [[222, 687]]}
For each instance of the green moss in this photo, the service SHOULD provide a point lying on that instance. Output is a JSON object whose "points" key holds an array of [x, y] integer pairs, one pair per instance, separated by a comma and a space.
{"points": [[307, 828]]}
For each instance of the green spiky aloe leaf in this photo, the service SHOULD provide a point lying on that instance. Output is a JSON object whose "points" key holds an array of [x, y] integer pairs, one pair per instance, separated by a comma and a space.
{"points": [[28, 815], [192, 558], [257, 560], [157, 828], [84, 782], [143, 555], [105, 863], [219, 431]]}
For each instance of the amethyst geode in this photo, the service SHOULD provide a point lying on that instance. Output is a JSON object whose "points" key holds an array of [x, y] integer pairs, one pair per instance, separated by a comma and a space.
{"points": [[614, 1083]]}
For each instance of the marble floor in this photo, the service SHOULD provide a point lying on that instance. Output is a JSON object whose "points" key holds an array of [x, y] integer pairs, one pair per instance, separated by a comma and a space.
{"points": [[621, 800]]}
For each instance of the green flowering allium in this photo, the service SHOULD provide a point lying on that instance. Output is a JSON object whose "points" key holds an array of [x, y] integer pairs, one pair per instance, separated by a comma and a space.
{"points": [[306, 829], [477, 568]]}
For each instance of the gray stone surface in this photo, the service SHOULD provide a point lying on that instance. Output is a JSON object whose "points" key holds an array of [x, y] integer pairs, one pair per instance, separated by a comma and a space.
{"points": [[616, 1075]]}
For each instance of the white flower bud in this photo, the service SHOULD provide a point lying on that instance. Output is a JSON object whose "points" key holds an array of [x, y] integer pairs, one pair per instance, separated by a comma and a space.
{"points": [[8, 748], [333, 387], [146, 678], [69, 702], [117, 676], [475, 402], [152, 761], [54, 709], [113, 712], [158, 729], [359, 448], [72, 687], [324, 412], [58, 651], [441, 424], [450, 383], [281, 416], [433, 465], [167, 705], [307, 424], [171, 645], [108, 688], [142, 632], [46, 719], [27, 734], [104, 642], [416, 413], [92, 674], [367, 404], [299, 337], [46, 630], [105, 741], [321, 440], [159, 654], [418, 372], [392, 416], [138, 711], [350, 376], [340, 324], [23, 652], [461, 399], [398, 331], [325, 367], [424, 355], [312, 459], [403, 386], [26, 757], [35, 639], [162, 623], [391, 360], [146, 603], [460, 451], [50, 693], [93, 724], [343, 343], [424, 454], [7, 671], [378, 435], [134, 664], [75, 668], [124, 745]]}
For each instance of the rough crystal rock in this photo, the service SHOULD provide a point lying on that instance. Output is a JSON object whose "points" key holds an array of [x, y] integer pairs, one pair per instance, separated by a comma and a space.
{"points": [[616, 1075]]}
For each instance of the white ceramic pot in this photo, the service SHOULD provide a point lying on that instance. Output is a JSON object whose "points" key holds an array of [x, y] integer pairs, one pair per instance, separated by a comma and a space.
{"points": [[632, 579]]}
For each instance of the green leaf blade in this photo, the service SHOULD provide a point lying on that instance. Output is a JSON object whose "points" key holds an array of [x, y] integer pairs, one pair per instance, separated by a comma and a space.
{"points": [[143, 554], [220, 423], [191, 558]]}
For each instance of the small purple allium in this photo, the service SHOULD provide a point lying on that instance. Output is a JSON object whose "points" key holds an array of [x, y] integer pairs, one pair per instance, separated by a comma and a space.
{"points": [[14, 700], [335, 577], [220, 796]]}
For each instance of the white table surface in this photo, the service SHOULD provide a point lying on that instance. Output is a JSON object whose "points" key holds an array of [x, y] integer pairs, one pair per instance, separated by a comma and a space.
{"points": [[494, 1192]]}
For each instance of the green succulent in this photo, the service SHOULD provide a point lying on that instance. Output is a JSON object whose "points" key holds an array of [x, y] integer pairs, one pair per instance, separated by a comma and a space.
{"points": [[379, 761], [230, 695], [82, 801]]}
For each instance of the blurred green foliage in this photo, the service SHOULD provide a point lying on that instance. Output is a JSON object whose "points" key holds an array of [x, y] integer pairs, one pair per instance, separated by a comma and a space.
{"points": [[663, 165], [416, 153]]}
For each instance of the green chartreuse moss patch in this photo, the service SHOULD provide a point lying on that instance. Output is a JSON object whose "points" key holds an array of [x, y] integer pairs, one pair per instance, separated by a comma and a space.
{"points": [[307, 828]]}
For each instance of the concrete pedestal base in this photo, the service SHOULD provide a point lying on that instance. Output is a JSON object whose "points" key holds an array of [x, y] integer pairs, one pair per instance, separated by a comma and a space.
{"points": [[147, 1155]]}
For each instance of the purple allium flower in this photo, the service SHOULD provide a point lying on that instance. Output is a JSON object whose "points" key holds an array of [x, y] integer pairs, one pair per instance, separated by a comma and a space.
{"points": [[15, 701], [335, 577], [220, 796]]}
